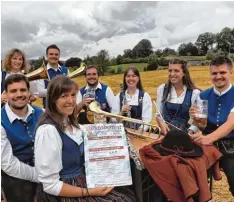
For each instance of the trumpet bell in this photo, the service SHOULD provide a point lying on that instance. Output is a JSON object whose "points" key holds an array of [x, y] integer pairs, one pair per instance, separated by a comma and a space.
{"points": [[78, 72], [40, 73]]}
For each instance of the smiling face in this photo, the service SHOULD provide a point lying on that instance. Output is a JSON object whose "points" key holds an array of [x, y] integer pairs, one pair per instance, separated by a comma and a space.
{"points": [[18, 95], [16, 62], [221, 76], [175, 73], [53, 56], [92, 77], [66, 103], [131, 79]]}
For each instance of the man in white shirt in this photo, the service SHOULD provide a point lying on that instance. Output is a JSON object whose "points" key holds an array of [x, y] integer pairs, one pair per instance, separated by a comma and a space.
{"points": [[18, 122], [103, 94], [220, 120], [53, 69]]}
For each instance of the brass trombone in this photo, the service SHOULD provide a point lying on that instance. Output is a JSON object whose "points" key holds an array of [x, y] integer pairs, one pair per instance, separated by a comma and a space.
{"points": [[94, 107]]}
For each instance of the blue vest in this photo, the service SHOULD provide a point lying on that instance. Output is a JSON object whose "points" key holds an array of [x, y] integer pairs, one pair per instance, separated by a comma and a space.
{"points": [[100, 97], [177, 114], [72, 154], [3, 81], [52, 73], [219, 108], [136, 110], [3, 84], [21, 134]]}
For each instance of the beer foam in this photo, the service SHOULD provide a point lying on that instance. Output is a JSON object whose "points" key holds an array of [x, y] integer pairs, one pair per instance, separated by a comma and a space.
{"points": [[200, 116]]}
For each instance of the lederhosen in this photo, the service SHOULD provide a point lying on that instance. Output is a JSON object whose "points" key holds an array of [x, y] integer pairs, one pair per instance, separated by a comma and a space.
{"points": [[21, 136], [177, 114]]}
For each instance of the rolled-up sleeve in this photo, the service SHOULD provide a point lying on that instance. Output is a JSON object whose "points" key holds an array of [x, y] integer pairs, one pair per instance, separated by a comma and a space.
{"points": [[48, 158]]}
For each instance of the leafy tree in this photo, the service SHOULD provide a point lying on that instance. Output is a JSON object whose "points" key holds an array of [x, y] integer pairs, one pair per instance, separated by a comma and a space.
{"points": [[36, 64], [128, 53], [103, 61], [225, 40], [186, 49], [205, 42], [169, 51], [210, 55], [119, 59], [119, 70], [73, 62], [143, 49], [159, 52]]}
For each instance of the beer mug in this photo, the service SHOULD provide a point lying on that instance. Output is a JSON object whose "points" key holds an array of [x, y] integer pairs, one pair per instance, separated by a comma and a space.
{"points": [[99, 118], [200, 118], [90, 93]]}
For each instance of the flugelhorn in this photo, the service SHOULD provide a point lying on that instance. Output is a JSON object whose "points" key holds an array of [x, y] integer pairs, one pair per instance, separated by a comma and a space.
{"points": [[94, 107]]}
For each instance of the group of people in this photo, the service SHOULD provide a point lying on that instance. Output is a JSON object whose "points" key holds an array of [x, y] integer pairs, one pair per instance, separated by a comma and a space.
{"points": [[37, 143]]}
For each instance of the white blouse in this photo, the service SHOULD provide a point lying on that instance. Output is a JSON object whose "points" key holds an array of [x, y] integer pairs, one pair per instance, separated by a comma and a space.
{"points": [[48, 156], [173, 96], [133, 100]]}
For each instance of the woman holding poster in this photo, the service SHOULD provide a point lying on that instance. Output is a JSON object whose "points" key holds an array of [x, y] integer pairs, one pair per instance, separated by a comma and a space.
{"points": [[59, 152]]}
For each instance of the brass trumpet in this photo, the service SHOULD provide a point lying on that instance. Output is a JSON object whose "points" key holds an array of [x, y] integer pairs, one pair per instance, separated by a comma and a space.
{"points": [[94, 107]]}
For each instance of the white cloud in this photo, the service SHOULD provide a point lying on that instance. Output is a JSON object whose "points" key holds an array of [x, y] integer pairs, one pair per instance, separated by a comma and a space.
{"points": [[84, 28]]}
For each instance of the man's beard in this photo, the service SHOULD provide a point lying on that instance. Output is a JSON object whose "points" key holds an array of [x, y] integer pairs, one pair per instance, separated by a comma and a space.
{"points": [[92, 84]]}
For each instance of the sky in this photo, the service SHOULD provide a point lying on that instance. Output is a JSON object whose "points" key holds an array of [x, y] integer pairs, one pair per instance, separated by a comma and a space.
{"points": [[84, 28]]}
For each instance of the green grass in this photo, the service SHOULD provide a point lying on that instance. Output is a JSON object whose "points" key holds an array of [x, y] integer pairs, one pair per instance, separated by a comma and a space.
{"points": [[139, 66], [187, 57]]}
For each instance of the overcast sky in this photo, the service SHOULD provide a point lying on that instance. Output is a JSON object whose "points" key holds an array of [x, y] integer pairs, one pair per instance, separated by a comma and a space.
{"points": [[84, 28]]}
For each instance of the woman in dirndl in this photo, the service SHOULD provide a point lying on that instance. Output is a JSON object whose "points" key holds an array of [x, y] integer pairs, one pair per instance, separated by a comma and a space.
{"points": [[176, 97], [59, 152]]}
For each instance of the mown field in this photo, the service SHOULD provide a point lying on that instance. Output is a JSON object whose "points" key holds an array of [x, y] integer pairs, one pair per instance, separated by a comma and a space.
{"points": [[151, 80]]}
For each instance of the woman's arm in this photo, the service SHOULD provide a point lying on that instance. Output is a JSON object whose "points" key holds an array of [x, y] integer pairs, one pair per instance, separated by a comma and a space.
{"points": [[48, 163]]}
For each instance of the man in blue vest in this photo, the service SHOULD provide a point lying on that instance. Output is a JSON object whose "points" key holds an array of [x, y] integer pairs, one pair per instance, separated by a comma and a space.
{"points": [[18, 122], [220, 121], [103, 94], [53, 69]]}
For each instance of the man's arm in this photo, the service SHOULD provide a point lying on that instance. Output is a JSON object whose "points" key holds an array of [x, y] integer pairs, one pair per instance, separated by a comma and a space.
{"points": [[219, 133], [11, 164]]}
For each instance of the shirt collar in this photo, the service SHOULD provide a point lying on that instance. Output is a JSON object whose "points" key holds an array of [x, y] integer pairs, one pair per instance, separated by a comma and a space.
{"points": [[12, 116], [48, 66], [98, 86], [222, 93], [184, 88], [135, 94]]}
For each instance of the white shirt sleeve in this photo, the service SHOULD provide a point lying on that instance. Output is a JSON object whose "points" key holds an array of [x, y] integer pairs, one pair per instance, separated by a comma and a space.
{"points": [[110, 96], [232, 110], [41, 88], [11, 164], [146, 110], [195, 95], [48, 158], [78, 98], [34, 88], [159, 98], [115, 107]]}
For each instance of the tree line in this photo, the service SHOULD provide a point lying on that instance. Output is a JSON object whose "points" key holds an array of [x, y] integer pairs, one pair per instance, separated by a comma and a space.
{"points": [[207, 44]]}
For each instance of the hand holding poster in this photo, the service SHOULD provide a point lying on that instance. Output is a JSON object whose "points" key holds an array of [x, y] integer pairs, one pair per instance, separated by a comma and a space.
{"points": [[106, 155]]}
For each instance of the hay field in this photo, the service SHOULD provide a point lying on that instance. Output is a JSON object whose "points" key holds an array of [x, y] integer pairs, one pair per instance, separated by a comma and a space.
{"points": [[151, 80]]}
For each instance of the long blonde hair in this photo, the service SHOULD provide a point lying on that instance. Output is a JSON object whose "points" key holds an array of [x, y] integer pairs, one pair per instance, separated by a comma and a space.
{"points": [[6, 64]]}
